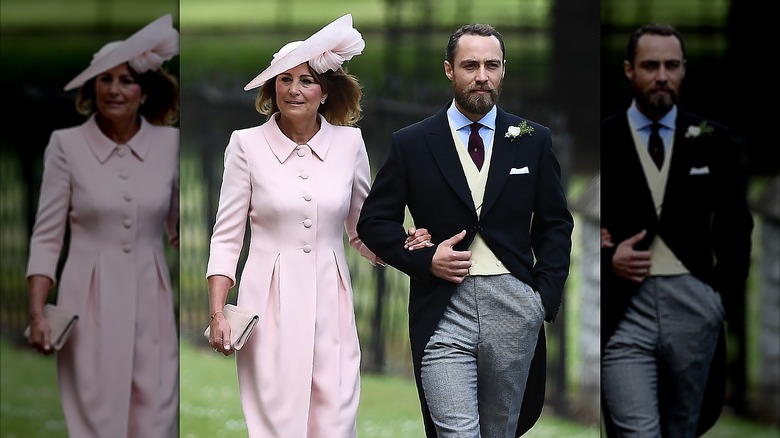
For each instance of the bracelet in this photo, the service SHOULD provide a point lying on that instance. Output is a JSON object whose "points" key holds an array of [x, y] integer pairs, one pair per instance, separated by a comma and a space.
{"points": [[215, 314]]}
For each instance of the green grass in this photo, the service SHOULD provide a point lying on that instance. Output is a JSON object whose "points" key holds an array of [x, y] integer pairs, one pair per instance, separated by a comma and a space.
{"points": [[29, 398], [253, 14], [234, 39], [681, 13], [46, 15], [389, 406], [210, 407]]}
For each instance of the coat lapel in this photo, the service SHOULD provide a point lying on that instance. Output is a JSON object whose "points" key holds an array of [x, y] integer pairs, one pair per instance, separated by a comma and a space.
{"points": [[501, 160], [681, 157], [684, 157], [442, 146]]}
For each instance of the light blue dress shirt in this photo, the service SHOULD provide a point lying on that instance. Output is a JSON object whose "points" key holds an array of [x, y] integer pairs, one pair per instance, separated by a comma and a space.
{"points": [[461, 124], [642, 125]]}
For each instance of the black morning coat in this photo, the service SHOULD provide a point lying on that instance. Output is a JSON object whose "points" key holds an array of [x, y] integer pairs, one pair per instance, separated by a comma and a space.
{"points": [[525, 221], [705, 221]]}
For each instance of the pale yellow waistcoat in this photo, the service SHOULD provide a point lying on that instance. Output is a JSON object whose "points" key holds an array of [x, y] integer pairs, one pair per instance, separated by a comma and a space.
{"points": [[664, 262], [484, 262]]}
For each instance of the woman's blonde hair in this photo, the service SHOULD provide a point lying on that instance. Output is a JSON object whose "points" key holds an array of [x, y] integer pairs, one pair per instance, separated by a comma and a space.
{"points": [[342, 106]]}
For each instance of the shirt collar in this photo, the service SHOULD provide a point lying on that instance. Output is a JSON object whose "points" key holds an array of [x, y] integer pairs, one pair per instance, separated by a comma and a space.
{"points": [[460, 121], [641, 121]]}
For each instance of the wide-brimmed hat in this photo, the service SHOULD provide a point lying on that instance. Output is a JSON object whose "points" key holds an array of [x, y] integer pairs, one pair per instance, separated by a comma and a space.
{"points": [[327, 49], [145, 50]]}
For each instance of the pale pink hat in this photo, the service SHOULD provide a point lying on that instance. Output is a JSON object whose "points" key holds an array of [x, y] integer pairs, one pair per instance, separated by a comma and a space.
{"points": [[325, 50], [145, 50]]}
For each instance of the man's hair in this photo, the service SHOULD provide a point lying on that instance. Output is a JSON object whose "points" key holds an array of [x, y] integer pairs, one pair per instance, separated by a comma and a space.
{"points": [[661, 29], [485, 30]]}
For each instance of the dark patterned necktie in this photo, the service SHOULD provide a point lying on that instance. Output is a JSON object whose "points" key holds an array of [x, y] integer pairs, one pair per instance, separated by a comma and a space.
{"points": [[476, 147], [655, 145]]}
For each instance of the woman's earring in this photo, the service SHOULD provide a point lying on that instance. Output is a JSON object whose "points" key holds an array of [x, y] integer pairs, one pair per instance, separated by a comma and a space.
{"points": [[322, 102]]}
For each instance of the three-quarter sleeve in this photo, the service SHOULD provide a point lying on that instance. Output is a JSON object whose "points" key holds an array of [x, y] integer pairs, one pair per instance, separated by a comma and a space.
{"points": [[360, 186], [230, 225], [52, 215]]}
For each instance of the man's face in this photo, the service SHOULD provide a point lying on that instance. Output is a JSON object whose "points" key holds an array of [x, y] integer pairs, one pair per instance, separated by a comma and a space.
{"points": [[476, 74], [657, 73]]}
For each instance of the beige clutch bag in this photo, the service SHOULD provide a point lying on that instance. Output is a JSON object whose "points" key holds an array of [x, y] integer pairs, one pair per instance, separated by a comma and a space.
{"points": [[61, 321], [241, 323]]}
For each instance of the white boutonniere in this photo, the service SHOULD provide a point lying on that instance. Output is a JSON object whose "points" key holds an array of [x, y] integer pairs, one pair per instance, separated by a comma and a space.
{"points": [[519, 130], [697, 130]]}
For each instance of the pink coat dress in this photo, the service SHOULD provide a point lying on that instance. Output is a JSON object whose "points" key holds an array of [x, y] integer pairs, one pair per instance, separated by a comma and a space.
{"points": [[119, 372], [299, 373]]}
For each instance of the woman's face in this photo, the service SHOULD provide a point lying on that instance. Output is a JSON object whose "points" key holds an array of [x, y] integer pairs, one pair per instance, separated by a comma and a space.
{"points": [[117, 95], [298, 94]]}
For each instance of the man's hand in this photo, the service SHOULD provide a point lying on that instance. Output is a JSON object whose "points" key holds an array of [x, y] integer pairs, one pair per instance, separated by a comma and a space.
{"points": [[628, 263], [449, 264]]}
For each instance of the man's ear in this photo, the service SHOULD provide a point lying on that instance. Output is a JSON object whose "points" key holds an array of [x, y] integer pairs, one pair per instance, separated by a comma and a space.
{"points": [[628, 70], [448, 69], [503, 70]]}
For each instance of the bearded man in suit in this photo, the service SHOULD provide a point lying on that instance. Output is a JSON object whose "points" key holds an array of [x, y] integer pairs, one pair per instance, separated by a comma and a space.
{"points": [[502, 228], [675, 250]]}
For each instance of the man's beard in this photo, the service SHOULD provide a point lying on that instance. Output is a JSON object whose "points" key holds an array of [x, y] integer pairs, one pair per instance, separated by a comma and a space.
{"points": [[658, 103], [477, 103]]}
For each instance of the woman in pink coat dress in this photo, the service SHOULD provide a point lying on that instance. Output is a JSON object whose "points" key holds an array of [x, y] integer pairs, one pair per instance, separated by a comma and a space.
{"points": [[301, 179], [114, 181]]}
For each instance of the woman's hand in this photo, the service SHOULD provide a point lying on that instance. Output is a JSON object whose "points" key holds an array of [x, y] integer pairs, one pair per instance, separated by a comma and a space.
{"points": [[40, 334], [418, 238], [219, 338], [40, 330], [606, 239]]}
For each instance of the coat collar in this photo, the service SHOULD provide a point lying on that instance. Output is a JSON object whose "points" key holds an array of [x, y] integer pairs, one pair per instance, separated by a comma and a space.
{"points": [[102, 147], [282, 147]]}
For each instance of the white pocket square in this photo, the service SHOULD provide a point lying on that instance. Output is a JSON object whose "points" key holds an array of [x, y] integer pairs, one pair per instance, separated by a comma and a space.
{"points": [[699, 171], [518, 170]]}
